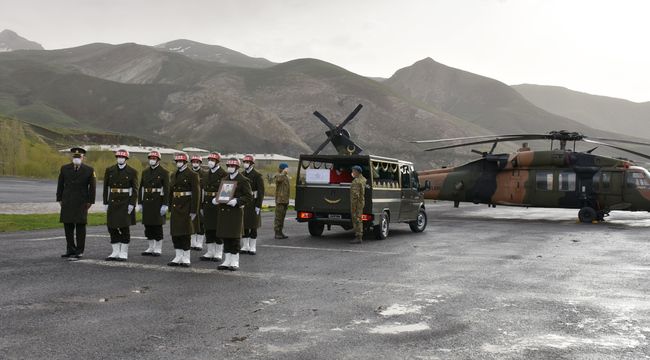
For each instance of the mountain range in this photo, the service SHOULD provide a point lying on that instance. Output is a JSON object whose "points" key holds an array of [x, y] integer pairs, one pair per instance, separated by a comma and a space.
{"points": [[184, 92], [10, 41]]}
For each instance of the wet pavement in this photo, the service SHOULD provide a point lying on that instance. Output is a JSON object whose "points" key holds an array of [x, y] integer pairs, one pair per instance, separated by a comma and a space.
{"points": [[479, 283]]}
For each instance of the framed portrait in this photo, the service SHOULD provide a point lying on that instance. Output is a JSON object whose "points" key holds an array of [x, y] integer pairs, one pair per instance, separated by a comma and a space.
{"points": [[226, 191]]}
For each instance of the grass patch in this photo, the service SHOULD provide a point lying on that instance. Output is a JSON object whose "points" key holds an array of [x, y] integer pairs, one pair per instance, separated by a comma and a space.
{"points": [[30, 222]]}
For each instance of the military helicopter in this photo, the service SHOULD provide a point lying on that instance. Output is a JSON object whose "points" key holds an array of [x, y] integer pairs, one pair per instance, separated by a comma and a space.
{"points": [[555, 178]]}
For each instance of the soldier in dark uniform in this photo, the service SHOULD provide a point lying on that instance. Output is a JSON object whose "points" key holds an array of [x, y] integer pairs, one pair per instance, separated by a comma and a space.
{"points": [[154, 198], [185, 193], [252, 211], [199, 231], [120, 195], [282, 193], [230, 216], [211, 182], [357, 202], [75, 193]]}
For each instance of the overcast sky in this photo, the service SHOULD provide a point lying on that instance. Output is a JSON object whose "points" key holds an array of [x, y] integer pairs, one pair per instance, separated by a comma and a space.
{"points": [[599, 47]]}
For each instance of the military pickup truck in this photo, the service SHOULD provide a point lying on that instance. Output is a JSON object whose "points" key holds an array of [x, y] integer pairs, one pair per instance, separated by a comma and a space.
{"points": [[393, 193]]}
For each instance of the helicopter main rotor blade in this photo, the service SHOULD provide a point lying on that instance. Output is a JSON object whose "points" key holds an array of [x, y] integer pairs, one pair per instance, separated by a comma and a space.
{"points": [[324, 120], [513, 138], [618, 148], [322, 146], [619, 140], [350, 117], [473, 138]]}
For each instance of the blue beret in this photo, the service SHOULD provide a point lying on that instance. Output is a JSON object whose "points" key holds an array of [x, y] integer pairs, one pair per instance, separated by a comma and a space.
{"points": [[357, 168], [283, 166]]}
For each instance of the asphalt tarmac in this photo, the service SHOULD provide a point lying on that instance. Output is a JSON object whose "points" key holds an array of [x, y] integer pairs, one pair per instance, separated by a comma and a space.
{"points": [[479, 283]]}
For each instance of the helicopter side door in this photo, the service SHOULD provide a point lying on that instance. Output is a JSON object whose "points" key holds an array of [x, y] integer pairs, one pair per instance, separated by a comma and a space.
{"points": [[608, 184]]}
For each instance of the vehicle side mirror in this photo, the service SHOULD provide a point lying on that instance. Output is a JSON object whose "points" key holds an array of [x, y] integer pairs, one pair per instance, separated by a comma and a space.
{"points": [[426, 187]]}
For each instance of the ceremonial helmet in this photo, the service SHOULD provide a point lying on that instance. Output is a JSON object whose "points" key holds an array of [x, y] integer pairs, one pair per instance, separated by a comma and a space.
{"points": [[233, 162], [214, 156], [122, 153], [197, 158], [154, 153], [249, 158], [180, 157]]}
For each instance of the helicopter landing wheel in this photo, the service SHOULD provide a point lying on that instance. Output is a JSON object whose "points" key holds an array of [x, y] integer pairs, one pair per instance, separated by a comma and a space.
{"points": [[587, 215]]}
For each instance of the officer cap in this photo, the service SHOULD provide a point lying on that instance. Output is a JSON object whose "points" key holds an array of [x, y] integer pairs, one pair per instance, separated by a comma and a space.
{"points": [[77, 151]]}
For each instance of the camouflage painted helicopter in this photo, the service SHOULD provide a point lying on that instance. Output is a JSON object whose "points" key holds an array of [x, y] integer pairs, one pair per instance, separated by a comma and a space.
{"points": [[556, 178]]}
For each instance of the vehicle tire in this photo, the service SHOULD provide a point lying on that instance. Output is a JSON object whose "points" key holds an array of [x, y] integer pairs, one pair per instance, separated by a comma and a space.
{"points": [[381, 229], [420, 223], [316, 229], [587, 214]]}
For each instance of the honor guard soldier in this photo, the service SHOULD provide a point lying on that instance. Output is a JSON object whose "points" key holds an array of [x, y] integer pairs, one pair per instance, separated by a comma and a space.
{"points": [[230, 215], [211, 182], [282, 191], [184, 194], [199, 231], [357, 202], [120, 196], [153, 202], [252, 211], [75, 193]]}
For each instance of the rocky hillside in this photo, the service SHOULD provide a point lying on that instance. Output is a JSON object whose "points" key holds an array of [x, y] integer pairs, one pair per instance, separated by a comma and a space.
{"points": [[10, 41], [601, 112], [215, 53]]}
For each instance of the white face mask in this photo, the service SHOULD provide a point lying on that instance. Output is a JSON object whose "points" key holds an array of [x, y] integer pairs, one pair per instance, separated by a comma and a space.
{"points": [[246, 165], [121, 160], [232, 169], [153, 162], [212, 164], [179, 164], [196, 166], [76, 161]]}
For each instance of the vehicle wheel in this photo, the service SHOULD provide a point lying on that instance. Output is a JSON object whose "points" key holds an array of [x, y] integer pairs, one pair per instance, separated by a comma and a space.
{"points": [[315, 229], [587, 215], [420, 223], [381, 229]]}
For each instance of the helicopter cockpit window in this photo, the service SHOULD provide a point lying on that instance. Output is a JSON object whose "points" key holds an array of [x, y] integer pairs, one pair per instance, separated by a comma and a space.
{"points": [[544, 180], [567, 181], [385, 175], [638, 180]]}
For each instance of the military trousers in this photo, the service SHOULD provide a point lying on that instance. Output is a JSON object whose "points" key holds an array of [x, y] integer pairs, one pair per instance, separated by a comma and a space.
{"points": [[211, 237], [232, 245], [71, 246], [357, 224], [182, 242], [153, 232], [120, 235], [250, 233], [280, 214]]}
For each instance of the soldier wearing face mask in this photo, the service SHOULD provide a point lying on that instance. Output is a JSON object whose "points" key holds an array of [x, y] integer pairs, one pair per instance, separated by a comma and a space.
{"points": [[185, 193], [230, 216], [120, 197], [211, 182], [153, 201], [199, 230], [252, 211], [75, 193]]}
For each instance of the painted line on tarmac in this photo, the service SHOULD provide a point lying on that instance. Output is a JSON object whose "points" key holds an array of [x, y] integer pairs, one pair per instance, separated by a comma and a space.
{"points": [[261, 276], [329, 249]]}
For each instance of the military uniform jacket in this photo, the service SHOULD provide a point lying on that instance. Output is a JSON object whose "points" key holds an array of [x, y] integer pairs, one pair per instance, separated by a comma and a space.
{"points": [[358, 192], [211, 183], [154, 193], [120, 191], [182, 205], [198, 222], [251, 219], [75, 190], [230, 220], [282, 189]]}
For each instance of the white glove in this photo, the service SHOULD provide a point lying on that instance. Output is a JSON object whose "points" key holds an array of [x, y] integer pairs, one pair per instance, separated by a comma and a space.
{"points": [[192, 216], [139, 208], [232, 202], [130, 209], [163, 210], [214, 201], [201, 212], [257, 210], [105, 207]]}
